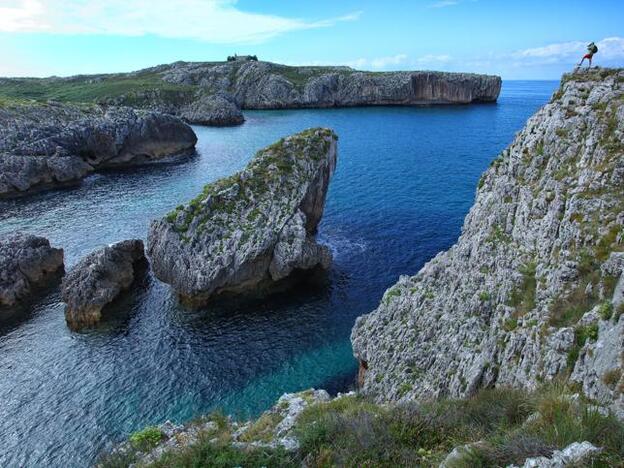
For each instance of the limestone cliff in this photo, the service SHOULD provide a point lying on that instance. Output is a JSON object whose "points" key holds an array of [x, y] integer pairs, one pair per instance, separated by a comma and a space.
{"points": [[533, 287], [213, 93], [44, 145], [255, 227]]}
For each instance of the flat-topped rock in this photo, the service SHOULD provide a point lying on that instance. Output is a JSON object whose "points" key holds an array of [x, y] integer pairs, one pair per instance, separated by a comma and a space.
{"points": [[98, 279], [26, 261], [43, 145], [250, 229]]}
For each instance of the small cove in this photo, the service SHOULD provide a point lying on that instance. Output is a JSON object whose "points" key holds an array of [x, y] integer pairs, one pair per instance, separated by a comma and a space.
{"points": [[406, 178]]}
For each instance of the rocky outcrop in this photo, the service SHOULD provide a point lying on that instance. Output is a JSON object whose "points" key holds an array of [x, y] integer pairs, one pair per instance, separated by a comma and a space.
{"points": [[44, 145], [253, 228], [216, 111], [573, 455], [26, 262], [98, 279], [265, 85], [531, 289]]}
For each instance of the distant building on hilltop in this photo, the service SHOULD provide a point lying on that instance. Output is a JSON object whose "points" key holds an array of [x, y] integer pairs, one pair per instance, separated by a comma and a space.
{"points": [[242, 58]]}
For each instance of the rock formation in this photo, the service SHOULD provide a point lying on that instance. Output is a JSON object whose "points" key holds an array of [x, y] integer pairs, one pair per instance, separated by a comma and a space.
{"points": [[49, 144], [26, 261], [98, 279], [213, 93], [533, 287], [252, 228]]}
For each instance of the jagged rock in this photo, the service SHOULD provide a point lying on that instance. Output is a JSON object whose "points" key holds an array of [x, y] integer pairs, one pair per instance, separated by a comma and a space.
{"points": [[98, 279], [573, 455], [26, 261], [505, 304], [51, 144], [253, 228], [217, 111]]}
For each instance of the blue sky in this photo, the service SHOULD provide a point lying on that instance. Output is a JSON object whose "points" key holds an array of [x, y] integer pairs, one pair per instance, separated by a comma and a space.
{"points": [[525, 39]]}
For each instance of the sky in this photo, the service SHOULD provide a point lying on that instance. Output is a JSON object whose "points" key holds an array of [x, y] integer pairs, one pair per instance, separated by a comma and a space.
{"points": [[517, 39]]}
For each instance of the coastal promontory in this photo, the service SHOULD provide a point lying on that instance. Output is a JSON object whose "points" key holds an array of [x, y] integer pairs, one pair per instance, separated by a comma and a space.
{"points": [[50, 144], [251, 229], [214, 93]]}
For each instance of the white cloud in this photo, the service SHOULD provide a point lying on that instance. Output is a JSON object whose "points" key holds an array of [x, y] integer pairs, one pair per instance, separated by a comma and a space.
{"points": [[383, 62], [427, 59], [610, 48], [444, 3], [217, 21]]}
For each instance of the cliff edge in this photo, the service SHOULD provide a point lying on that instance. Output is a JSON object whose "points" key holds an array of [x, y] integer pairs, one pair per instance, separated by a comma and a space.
{"points": [[533, 288]]}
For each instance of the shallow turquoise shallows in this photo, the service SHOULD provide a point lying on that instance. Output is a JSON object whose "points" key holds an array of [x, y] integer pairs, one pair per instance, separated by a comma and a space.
{"points": [[406, 178]]}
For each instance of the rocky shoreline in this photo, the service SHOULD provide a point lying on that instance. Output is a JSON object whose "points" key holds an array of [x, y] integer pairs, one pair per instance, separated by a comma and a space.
{"points": [[53, 144]]}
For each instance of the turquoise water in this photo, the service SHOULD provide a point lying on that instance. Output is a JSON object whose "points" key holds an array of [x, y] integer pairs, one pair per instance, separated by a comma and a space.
{"points": [[405, 180]]}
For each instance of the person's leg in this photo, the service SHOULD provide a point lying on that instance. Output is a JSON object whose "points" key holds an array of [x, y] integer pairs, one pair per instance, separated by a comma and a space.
{"points": [[581, 62], [590, 61]]}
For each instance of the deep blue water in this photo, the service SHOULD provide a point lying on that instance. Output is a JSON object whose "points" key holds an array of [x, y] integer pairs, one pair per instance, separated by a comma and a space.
{"points": [[405, 180]]}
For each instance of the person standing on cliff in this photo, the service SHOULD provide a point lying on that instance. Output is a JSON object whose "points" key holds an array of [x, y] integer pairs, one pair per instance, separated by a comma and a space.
{"points": [[591, 50]]}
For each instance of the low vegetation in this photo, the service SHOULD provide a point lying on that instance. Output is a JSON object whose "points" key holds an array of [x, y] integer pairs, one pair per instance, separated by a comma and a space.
{"points": [[509, 426]]}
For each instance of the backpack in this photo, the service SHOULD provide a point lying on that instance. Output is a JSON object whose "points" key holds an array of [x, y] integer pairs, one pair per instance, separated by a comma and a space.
{"points": [[593, 49]]}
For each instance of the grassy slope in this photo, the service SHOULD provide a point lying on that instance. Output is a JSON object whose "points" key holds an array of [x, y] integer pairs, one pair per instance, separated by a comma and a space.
{"points": [[84, 88], [94, 88], [352, 431]]}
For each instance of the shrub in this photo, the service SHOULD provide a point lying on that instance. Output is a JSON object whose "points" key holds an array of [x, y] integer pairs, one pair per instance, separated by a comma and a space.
{"points": [[147, 438], [612, 377], [605, 310], [523, 297], [484, 296]]}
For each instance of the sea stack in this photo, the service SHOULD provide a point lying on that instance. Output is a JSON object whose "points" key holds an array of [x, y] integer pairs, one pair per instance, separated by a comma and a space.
{"points": [[98, 279], [253, 228], [26, 262]]}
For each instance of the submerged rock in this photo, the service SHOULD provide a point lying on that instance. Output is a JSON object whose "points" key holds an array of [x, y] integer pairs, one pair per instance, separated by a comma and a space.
{"points": [[26, 261], [253, 228], [44, 145], [530, 290], [98, 279]]}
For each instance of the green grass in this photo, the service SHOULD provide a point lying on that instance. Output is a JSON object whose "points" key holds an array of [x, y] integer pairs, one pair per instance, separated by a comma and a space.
{"points": [[355, 432], [523, 297], [90, 89]]}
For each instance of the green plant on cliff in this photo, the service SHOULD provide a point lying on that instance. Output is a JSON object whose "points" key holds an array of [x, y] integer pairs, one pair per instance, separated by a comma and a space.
{"points": [[147, 438]]}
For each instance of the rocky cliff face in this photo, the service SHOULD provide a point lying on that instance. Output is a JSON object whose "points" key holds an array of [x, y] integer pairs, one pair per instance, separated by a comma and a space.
{"points": [[26, 261], [264, 85], [49, 144], [98, 279], [533, 288], [252, 228]]}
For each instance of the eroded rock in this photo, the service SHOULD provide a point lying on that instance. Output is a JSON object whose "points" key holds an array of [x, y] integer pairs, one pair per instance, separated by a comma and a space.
{"points": [[26, 262], [98, 279], [46, 145], [253, 228], [528, 292]]}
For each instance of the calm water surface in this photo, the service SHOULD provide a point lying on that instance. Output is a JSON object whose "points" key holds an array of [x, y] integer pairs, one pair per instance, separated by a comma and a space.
{"points": [[405, 180]]}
